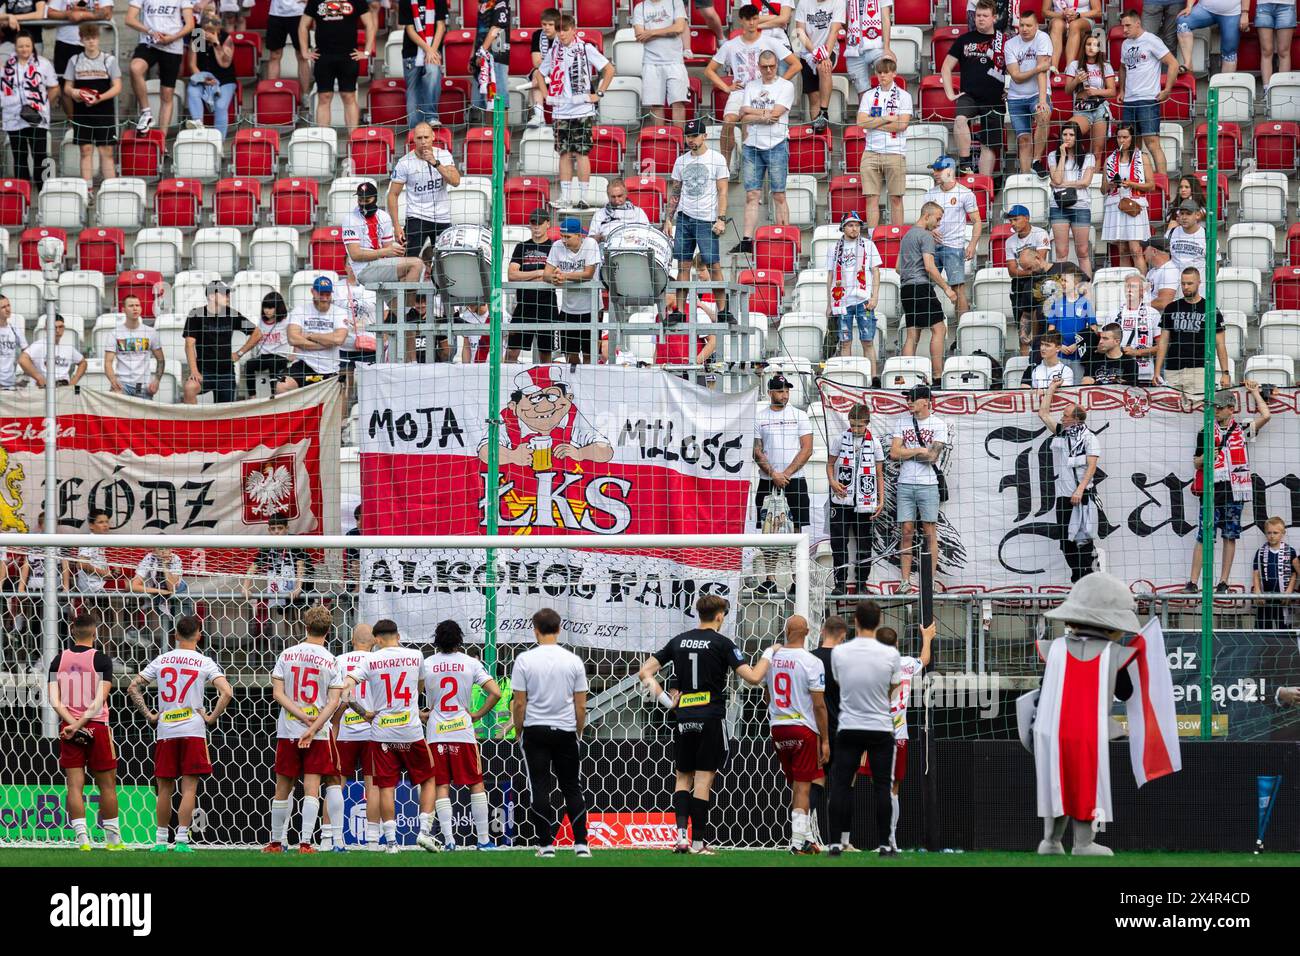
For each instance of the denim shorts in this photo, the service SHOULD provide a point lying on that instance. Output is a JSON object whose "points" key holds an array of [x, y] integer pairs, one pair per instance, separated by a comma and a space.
{"points": [[1227, 521], [1229, 29], [1275, 16], [1075, 215], [1021, 112], [862, 68], [690, 235], [951, 260], [1144, 117], [918, 502], [866, 323], [775, 162]]}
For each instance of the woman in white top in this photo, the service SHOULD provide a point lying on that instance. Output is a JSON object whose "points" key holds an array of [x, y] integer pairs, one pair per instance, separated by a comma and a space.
{"points": [[273, 349], [1072, 167], [1125, 183], [1092, 81], [1070, 21], [27, 87]]}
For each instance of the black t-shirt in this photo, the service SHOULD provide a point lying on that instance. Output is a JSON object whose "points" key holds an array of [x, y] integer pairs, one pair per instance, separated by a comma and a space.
{"points": [[494, 13], [103, 666], [701, 660], [540, 42], [18, 7], [283, 562], [531, 256], [832, 692], [337, 22], [207, 62], [211, 334], [406, 18], [979, 60], [1110, 371], [1185, 322]]}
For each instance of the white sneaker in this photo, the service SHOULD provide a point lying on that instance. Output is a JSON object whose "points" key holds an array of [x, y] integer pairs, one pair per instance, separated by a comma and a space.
{"points": [[1093, 849], [538, 119], [582, 850], [546, 852], [425, 841], [392, 848], [145, 122], [1050, 848]]}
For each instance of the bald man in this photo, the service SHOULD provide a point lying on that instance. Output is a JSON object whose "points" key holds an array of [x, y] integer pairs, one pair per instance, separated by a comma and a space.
{"points": [[352, 733], [796, 709], [425, 173]]}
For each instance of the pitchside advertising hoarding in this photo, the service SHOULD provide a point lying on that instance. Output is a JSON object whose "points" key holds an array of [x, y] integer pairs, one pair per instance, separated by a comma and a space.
{"points": [[31, 812]]}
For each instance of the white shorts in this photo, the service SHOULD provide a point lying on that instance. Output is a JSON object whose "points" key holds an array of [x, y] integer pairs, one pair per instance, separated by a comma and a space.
{"points": [[377, 270], [664, 83], [734, 103]]}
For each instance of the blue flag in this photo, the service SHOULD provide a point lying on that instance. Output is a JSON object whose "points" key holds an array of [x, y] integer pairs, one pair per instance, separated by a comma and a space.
{"points": [[1267, 788]]}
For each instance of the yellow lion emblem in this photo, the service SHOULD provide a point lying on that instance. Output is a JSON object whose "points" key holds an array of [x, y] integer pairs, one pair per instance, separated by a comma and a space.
{"points": [[11, 495]]}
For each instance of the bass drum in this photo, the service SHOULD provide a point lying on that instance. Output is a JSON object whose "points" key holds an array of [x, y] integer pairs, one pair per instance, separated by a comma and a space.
{"points": [[462, 262], [638, 263]]}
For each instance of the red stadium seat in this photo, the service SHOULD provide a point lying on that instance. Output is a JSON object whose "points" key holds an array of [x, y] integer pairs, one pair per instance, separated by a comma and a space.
{"points": [[1286, 287], [1062, 100], [935, 105], [468, 14], [521, 52], [941, 42], [275, 102], [887, 240], [1277, 145], [441, 138], [998, 244], [293, 202], [457, 45], [982, 187], [147, 285], [386, 101], [809, 150], [523, 195], [454, 105], [1248, 54], [478, 151], [597, 14], [594, 37], [363, 65], [257, 15], [1293, 244], [703, 45], [28, 240], [1225, 195], [1115, 45], [723, 9], [957, 13], [650, 193], [178, 203], [255, 152], [1158, 202], [695, 87], [236, 202], [657, 149], [776, 248], [372, 149], [768, 290], [248, 54], [1182, 101], [917, 13], [719, 103], [15, 200], [608, 144], [898, 79], [845, 195], [139, 155], [101, 250], [327, 250], [530, 12], [1229, 146], [855, 143]]}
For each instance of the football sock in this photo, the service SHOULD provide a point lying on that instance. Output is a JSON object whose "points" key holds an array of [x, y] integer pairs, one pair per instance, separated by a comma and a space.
{"points": [[700, 820], [372, 834], [280, 819], [798, 827], [310, 811], [566, 191], [443, 809], [893, 820], [682, 810], [182, 835], [334, 810], [390, 832], [112, 831], [844, 838], [426, 822], [478, 807], [160, 836], [820, 813]]}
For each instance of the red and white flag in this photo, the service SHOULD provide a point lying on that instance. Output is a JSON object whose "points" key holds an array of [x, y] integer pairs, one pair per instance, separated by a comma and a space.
{"points": [[1152, 722]]}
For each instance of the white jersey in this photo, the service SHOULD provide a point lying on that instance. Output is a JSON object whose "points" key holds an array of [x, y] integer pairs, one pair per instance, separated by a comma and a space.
{"points": [[182, 676], [424, 187], [1043, 374], [911, 670], [375, 232], [449, 682], [87, 582], [309, 672], [313, 321], [957, 204], [793, 677], [741, 58], [392, 676], [166, 17], [66, 358], [12, 344], [354, 726], [1139, 329]]}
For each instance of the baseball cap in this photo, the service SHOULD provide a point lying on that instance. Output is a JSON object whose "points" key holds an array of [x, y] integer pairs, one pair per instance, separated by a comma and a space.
{"points": [[572, 226], [539, 216], [1015, 211], [944, 162], [850, 216], [367, 189], [695, 127], [917, 392], [322, 285], [1189, 205], [1159, 243], [217, 286], [1223, 399], [777, 381]]}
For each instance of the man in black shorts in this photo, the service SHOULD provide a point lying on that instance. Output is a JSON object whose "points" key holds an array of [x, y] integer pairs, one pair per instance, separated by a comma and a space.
{"points": [[834, 631], [281, 28], [73, 13], [977, 56], [701, 659], [539, 46], [336, 59], [918, 277], [90, 83], [527, 264], [163, 26]]}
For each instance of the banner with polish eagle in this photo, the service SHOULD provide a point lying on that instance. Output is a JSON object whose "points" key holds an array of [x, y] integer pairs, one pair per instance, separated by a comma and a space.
{"points": [[592, 450]]}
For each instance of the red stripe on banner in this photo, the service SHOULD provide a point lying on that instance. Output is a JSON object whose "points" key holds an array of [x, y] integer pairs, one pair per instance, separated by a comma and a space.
{"points": [[1078, 737], [147, 436], [1155, 753]]}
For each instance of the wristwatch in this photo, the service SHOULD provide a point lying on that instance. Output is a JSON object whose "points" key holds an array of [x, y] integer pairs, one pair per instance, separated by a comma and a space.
{"points": [[600, 94]]}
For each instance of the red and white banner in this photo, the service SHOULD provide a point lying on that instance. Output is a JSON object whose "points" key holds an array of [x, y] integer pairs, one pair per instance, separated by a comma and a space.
{"points": [[175, 469], [592, 450], [635, 831], [1152, 720]]}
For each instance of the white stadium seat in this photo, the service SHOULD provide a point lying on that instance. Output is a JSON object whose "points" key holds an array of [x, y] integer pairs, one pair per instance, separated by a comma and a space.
{"points": [[1276, 370], [1279, 333], [926, 142], [74, 330], [159, 250], [81, 292], [801, 196], [907, 43], [1029, 191], [992, 290], [312, 153], [1234, 334], [967, 373], [621, 104], [1238, 289], [25, 289], [1014, 369], [249, 288], [823, 241], [852, 370], [1108, 288], [342, 197], [471, 201], [189, 291], [1236, 96], [537, 156], [802, 335], [197, 154], [1262, 197], [1284, 97], [1171, 142], [626, 53], [120, 203], [982, 332], [63, 203], [217, 249], [274, 249], [1252, 245], [901, 372], [809, 293]]}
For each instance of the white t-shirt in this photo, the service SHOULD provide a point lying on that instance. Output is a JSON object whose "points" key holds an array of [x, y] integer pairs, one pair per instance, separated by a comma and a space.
{"points": [[606, 218], [182, 676], [151, 571], [957, 203], [309, 672], [1073, 172], [550, 675], [570, 100], [354, 726], [741, 58], [358, 303], [575, 301], [1042, 375], [311, 320], [68, 32], [1097, 74], [911, 669], [1025, 53], [1167, 276], [1187, 249], [356, 228], [392, 676], [424, 187], [865, 669], [12, 344], [933, 429], [287, 8], [780, 432], [1141, 60], [1070, 460], [132, 352], [86, 582], [794, 676], [817, 17], [1139, 329], [66, 358], [858, 256], [877, 101], [699, 177], [165, 16], [37, 93], [275, 339], [774, 8], [1036, 238], [1222, 8], [764, 96], [449, 682], [660, 15]]}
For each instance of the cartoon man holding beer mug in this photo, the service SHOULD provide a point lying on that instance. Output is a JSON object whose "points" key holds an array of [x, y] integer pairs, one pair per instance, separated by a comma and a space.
{"points": [[544, 431]]}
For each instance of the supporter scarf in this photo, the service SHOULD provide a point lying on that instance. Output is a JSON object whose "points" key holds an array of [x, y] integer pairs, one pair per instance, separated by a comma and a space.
{"points": [[571, 60], [866, 26], [1136, 173], [426, 21], [1230, 461], [837, 290], [24, 83], [890, 108], [855, 468]]}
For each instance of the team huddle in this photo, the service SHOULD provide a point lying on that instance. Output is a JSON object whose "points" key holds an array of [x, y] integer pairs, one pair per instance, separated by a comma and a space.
{"points": [[388, 711]]}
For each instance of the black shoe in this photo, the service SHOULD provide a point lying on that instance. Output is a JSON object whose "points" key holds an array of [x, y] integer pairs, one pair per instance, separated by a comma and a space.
{"points": [[767, 587], [834, 849], [1191, 587], [726, 318], [744, 247], [887, 851], [965, 169], [1222, 587], [1040, 169], [582, 204], [820, 124]]}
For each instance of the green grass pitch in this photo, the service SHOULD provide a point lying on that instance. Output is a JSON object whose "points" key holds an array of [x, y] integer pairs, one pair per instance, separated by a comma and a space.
{"points": [[564, 859]]}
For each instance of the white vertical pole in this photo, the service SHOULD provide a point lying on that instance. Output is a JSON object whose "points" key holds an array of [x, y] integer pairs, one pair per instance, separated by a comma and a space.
{"points": [[802, 576]]}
